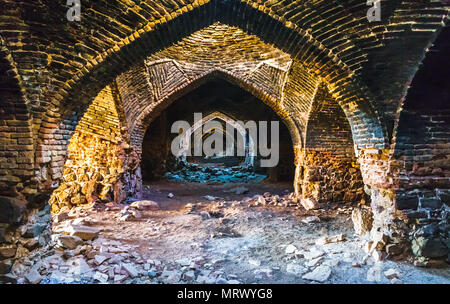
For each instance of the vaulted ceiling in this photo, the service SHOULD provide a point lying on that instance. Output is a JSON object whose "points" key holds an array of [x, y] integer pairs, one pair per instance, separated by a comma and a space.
{"points": [[62, 65]]}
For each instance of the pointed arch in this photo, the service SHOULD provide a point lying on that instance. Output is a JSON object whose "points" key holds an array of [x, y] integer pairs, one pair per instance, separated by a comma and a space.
{"points": [[249, 146], [152, 111]]}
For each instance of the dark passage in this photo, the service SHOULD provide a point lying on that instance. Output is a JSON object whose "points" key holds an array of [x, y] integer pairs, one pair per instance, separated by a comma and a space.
{"points": [[229, 102]]}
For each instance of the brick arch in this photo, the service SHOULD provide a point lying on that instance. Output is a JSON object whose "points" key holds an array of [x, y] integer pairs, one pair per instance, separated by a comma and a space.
{"points": [[16, 134], [250, 153], [338, 26], [258, 19], [420, 154], [328, 170], [421, 151], [327, 126], [153, 110]]}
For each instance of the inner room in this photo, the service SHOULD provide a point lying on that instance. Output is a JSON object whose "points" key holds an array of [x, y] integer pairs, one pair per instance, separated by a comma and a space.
{"points": [[226, 104]]}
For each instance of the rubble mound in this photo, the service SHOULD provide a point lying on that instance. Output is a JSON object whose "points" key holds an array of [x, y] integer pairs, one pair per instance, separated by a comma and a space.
{"points": [[204, 174]]}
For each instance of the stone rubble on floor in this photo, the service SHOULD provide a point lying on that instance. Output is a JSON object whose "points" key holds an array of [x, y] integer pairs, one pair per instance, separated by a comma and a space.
{"points": [[80, 252], [319, 274]]}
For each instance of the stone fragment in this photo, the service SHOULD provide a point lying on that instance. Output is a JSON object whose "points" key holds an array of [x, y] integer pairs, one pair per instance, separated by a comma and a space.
{"points": [[171, 277], [238, 190], [314, 262], [31, 244], [265, 272], [260, 201], [362, 220], [33, 277], [120, 278], [311, 219], [184, 262], [314, 253], [331, 263], [60, 217], [145, 205], [429, 247], [5, 266], [320, 274], [34, 230], [201, 279], [391, 274], [152, 274], [309, 203], [254, 262], [99, 259], [396, 281], [189, 276], [128, 217], [333, 239], [70, 241], [290, 249], [84, 232], [79, 267], [7, 252], [296, 269], [130, 269], [101, 277]]}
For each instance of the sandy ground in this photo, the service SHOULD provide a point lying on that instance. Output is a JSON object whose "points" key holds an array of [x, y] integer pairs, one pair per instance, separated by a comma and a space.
{"points": [[222, 241]]}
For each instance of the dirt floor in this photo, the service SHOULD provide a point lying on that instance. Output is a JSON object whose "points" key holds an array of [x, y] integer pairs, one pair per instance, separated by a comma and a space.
{"points": [[206, 234]]}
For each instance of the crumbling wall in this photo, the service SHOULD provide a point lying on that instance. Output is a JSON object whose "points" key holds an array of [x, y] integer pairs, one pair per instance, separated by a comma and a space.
{"points": [[420, 165], [327, 178], [101, 165], [329, 169]]}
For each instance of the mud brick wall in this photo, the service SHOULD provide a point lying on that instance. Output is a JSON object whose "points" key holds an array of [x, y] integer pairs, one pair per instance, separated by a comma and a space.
{"points": [[422, 180], [52, 70], [330, 172], [101, 166], [16, 137]]}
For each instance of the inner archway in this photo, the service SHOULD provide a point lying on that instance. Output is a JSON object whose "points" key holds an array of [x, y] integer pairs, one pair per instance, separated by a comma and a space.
{"points": [[217, 100], [244, 140]]}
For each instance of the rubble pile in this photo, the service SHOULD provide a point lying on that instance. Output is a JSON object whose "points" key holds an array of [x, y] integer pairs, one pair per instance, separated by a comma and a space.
{"points": [[204, 174], [97, 170]]}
